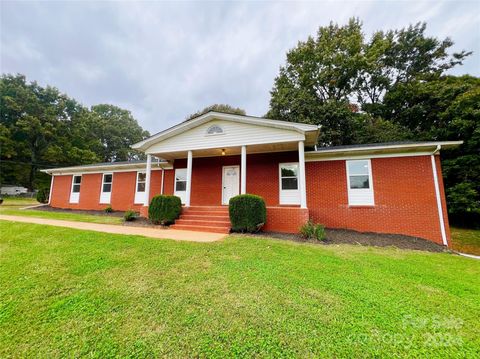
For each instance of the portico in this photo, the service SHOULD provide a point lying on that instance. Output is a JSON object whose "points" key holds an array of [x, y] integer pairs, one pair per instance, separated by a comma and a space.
{"points": [[232, 141]]}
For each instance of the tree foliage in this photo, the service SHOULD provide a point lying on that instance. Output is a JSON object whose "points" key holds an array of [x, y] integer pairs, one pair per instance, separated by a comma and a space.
{"points": [[41, 127], [390, 87], [218, 108]]}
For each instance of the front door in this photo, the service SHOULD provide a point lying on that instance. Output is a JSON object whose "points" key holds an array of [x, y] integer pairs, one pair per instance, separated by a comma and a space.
{"points": [[231, 183]]}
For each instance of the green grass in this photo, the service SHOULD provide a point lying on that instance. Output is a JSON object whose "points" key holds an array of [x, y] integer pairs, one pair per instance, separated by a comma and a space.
{"points": [[77, 293], [12, 206], [466, 240]]}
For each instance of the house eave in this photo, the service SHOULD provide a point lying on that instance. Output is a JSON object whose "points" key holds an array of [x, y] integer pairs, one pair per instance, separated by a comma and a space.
{"points": [[102, 168], [388, 150]]}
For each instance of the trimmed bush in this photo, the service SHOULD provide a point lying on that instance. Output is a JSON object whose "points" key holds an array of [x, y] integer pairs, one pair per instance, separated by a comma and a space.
{"points": [[130, 215], [248, 213], [42, 195], [311, 230], [108, 209], [164, 210]]}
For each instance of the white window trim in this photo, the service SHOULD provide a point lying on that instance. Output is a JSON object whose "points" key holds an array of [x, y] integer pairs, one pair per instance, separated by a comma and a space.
{"points": [[295, 200], [104, 194], [139, 196], [352, 191], [76, 194]]}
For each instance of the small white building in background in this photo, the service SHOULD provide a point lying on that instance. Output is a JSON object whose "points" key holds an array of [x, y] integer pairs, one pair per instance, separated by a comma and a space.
{"points": [[13, 190]]}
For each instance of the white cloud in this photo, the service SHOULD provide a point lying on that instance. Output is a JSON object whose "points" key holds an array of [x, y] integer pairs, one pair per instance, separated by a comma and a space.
{"points": [[166, 60]]}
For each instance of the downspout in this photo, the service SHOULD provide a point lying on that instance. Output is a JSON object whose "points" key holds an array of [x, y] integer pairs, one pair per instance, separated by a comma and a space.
{"points": [[51, 190], [163, 176], [437, 194]]}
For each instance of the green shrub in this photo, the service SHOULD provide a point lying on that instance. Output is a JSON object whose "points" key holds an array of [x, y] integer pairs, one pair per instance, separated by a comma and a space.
{"points": [[130, 215], [311, 230], [108, 209], [42, 195], [248, 213], [164, 210]]}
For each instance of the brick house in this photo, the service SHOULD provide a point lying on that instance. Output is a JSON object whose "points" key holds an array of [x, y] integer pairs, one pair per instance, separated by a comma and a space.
{"points": [[385, 188]]}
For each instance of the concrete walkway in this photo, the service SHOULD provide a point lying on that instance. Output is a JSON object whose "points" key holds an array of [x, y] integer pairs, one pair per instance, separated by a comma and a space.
{"points": [[177, 235]]}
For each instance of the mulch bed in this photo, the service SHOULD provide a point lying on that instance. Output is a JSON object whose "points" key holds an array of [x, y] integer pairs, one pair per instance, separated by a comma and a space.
{"points": [[333, 236], [346, 236]]}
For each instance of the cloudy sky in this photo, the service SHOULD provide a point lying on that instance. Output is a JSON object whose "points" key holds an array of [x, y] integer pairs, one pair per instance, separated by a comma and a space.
{"points": [[165, 60]]}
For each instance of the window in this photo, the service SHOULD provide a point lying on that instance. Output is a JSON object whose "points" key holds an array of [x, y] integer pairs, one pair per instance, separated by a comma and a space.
{"points": [[181, 179], [214, 130], [141, 179], [181, 183], [77, 181], [289, 191], [107, 182], [105, 195], [140, 187], [75, 193], [359, 182], [289, 173]]}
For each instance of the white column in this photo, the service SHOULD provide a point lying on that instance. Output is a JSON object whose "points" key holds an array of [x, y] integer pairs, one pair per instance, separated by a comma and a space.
{"points": [[301, 168], [147, 180], [243, 170], [189, 178]]}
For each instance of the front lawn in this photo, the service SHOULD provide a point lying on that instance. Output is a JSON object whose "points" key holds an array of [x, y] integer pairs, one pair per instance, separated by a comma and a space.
{"points": [[13, 206], [78, 293], [466, 240]]}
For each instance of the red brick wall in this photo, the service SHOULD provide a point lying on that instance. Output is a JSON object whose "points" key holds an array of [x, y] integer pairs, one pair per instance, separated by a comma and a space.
{"points": [[405, 201], [61, 191], [168, 182], [262, 176], [123, 191], [285, 219]]}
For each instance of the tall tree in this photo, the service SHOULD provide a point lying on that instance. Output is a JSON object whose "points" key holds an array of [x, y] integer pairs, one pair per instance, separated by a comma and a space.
{"points": [[398, 80], [318, 79], [41, 127], [115, 130], [219, 108], [339, 65]]}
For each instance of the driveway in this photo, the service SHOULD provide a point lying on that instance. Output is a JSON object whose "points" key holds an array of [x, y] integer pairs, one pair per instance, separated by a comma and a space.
{"points": [[178, 235]]}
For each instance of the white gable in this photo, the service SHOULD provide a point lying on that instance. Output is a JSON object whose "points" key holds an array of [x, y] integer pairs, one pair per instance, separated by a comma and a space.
{"points": [[233, 134]]}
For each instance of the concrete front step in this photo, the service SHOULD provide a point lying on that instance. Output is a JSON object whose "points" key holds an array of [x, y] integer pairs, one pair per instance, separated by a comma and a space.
{"points": [[204, 213], [203, 222], [205, 209], [213, 229], [204, 217]]}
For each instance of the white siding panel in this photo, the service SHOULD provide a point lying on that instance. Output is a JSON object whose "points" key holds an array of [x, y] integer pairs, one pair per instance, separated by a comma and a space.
{"points": [[235, 134], [289, 196], [360, 197], [139, 197]]}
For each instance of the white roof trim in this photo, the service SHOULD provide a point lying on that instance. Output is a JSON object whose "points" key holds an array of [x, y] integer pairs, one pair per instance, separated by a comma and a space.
{"points": [[181, 127], [123, 167], [386, 150]]}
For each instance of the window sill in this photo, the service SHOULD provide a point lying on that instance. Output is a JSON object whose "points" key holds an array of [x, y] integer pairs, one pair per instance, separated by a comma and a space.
{"points": [[361, 206]]}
